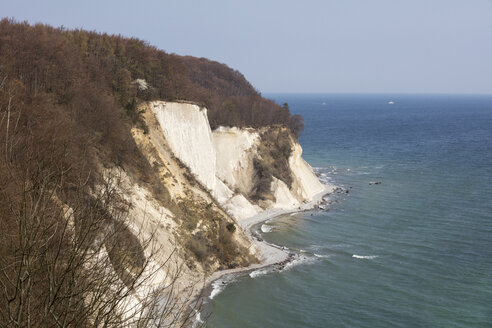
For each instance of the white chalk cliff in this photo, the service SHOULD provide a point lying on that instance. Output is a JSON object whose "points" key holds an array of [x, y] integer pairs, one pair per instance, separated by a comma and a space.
{"points": [[187, 130], [179, 141], [222, 160]]}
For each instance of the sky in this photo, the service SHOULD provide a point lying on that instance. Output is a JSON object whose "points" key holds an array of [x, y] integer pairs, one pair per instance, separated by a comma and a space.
{"points": [[309, 46]]}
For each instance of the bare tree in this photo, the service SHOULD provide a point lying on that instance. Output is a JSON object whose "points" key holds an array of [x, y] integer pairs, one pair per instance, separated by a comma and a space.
{"points": [[69, 256]]}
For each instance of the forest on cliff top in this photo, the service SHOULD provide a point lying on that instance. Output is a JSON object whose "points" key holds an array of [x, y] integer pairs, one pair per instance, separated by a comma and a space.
{"points": [[78, 68]]}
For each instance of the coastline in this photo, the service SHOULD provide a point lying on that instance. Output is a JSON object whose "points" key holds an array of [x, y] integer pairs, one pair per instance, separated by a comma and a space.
{"points": [[269, 254]]}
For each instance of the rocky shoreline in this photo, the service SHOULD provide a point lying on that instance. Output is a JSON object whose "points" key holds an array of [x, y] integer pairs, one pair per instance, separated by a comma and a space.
{"points": [[271, 256]]}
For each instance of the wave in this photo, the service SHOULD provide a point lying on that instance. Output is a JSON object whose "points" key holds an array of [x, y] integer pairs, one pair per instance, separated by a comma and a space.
{"points": [[217, 288], [321, 256], [325, 179], [315, 247], [219, 285], [260, 272], [325, 174], [366, 257], [301, 259], [335, 248], [198, 322], [266, 228]]}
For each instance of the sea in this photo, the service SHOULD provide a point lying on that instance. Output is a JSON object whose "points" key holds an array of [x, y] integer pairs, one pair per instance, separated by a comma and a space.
{"points": [[409, 245]]}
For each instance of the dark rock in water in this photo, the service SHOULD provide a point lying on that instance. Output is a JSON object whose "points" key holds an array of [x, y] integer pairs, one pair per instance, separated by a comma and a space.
{"points": [[347, 191], [259, 239], [281, 265]]}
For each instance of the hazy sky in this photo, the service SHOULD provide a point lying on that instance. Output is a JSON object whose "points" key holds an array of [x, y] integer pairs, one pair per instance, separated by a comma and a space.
{"points": [[414, 46]]}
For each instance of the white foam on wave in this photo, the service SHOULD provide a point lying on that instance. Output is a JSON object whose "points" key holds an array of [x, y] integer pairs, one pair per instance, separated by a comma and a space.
{"points": [[266, 228], [218, 286], [315, 247], [259, 272], [321, 256], [366, 257], [297, 261], [198, 319], [323, 174]]}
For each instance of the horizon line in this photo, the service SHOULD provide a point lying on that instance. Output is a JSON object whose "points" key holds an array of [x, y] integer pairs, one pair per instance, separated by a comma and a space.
{"points": [[380, 93]]}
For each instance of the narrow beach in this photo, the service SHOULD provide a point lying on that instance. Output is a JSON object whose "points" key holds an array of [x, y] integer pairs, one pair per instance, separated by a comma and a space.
{"points": [[268, 254]]}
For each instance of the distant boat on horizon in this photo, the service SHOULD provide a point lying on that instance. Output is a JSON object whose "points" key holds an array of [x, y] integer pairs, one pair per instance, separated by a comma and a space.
{"points": [[391, 102]]}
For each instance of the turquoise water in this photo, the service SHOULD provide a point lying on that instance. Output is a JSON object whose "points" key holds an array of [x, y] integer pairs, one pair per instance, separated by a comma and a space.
{"points": [[413, 251]]}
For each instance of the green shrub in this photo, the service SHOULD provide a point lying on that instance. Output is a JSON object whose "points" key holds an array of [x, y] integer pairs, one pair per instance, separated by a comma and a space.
{"points": [[231, 227]]}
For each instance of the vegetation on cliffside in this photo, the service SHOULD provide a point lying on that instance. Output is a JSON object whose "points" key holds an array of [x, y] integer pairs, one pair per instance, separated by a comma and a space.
{"points": [[272, 161]]}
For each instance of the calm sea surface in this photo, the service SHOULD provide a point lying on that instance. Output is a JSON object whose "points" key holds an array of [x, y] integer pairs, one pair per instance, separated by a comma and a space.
{"points": [[413, 251]]}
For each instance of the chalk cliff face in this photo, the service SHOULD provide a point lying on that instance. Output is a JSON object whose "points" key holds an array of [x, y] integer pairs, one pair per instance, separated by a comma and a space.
{"points": [[223, 161], [187, 130], [305, 184], [210, 180], [235, 149]]}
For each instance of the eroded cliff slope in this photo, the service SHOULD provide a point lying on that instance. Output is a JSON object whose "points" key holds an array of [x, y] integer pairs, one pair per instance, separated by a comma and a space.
{"points": [[231, 162]]}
